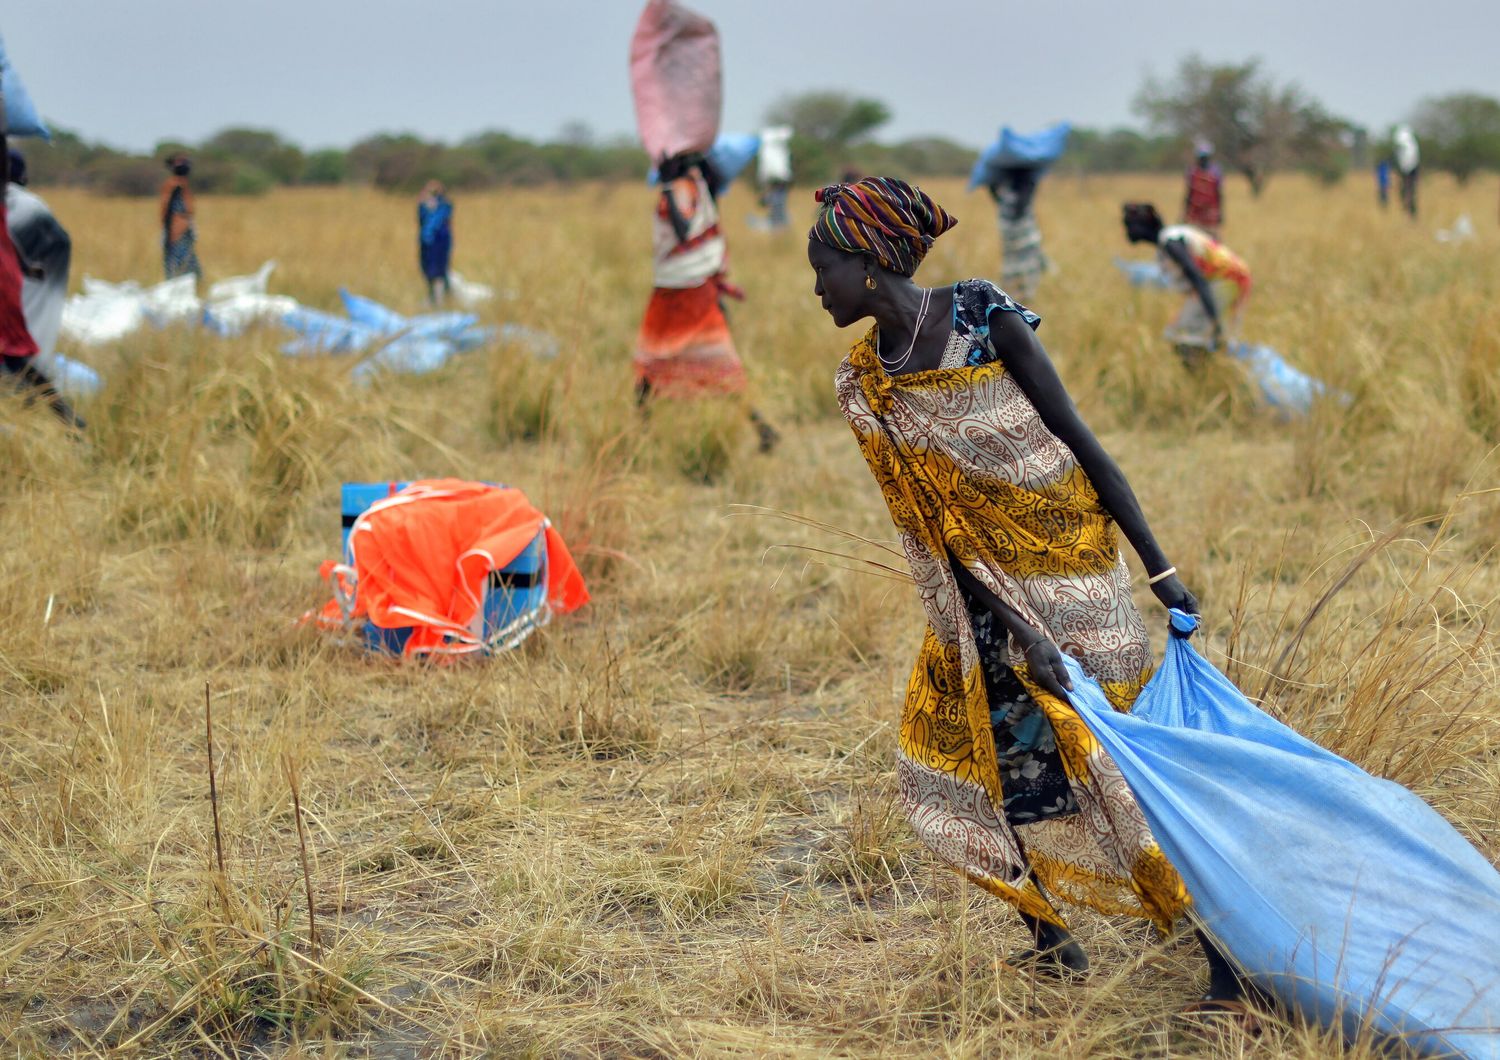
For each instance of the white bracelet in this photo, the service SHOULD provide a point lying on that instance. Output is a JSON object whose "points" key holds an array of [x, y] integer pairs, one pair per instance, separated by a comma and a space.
{"points": [[1163, 576]]}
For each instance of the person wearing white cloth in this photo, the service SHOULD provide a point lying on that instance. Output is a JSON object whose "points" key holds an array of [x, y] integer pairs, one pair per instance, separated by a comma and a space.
{"points": [[1408, 164]]}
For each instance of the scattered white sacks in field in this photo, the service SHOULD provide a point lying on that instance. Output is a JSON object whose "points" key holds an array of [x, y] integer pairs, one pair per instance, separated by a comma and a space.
{"points": [[237, 313], [107, 312], [235, 286], [1461, 232], [171, 301], [468, 293], [104, 312]]}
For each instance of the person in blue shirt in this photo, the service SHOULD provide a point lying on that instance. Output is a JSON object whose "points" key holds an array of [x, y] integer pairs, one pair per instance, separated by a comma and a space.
{"points": [[435, 238]]}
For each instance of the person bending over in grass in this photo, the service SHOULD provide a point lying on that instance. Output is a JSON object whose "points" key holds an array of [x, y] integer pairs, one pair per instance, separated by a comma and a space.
{"points": [[18, 350], [1009, 511], [1203, 267]]}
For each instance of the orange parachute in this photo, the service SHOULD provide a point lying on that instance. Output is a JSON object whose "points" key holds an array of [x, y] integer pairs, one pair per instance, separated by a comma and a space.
{"points": [[446, 567]]}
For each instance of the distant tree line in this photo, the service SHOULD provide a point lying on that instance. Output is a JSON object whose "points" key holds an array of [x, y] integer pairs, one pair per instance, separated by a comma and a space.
{"points": [[1257, 126]]}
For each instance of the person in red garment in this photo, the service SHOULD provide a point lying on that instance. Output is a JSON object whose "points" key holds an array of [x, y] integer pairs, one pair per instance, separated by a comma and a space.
{"points": [[1203, 204], [18, 349], [684, 347]]}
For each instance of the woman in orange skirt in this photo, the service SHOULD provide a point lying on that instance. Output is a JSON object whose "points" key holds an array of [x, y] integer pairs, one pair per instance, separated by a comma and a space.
{"points": [[684, 348]]}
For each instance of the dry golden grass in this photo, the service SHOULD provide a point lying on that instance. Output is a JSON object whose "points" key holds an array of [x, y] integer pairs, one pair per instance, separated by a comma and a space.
{"points": [[665, 827]]}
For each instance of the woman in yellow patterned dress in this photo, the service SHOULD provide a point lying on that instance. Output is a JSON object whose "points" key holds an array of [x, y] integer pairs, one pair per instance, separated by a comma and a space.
{"points": [[1008, 509]]}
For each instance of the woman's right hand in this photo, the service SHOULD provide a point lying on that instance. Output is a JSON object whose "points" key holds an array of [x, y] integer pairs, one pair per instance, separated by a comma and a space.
{"points": [[1047, 668], [1172, 593]]}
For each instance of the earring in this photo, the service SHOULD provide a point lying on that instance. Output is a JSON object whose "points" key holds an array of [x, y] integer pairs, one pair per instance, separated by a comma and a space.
{"points": [[870, 282]]}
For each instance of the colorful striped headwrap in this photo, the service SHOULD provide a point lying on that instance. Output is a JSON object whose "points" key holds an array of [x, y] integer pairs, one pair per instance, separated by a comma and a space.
{"points": [[886, 218]]}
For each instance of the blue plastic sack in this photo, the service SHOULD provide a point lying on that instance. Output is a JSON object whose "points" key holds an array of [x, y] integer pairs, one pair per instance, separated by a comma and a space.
{"points": [[21, 118], [378, 318], [410, 355], [322, 332], [729, 156], [1143, 273], [1283, 387], [731, 153], [460, 328], [1344, 896], [72, 378], [1038, 149]]}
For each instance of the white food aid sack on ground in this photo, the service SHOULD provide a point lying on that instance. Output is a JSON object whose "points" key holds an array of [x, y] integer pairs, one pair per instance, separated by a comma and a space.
{"points": [[675, 77], [173, 300], [468, 293], [235, 315], [104, 312], [234, 286]]}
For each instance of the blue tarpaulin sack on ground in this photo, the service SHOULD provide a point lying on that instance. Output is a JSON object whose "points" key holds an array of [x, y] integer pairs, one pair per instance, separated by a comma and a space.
{"points": [[1344, 896], [461, 329], [1283, 387], [729, 156], [408, 355], [21, 118], [381, 319], [1038, 149], [458, 328], [73, 378], [324, 333], [1143, 273]]}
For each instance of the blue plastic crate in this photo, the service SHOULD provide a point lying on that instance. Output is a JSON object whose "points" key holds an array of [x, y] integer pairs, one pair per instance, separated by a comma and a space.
{"points": [[355, 497], [514, 596]]}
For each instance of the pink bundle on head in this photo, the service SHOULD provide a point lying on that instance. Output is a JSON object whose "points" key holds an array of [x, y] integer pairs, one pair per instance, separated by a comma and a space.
{"points": [[675, 77]]}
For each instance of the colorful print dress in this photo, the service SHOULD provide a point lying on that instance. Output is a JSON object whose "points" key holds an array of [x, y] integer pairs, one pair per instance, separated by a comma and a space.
{"points": [[684, 347], [968, 469]]}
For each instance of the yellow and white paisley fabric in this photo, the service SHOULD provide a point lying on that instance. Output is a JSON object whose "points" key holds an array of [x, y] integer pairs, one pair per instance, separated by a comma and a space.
{"points": [[967, 466]]}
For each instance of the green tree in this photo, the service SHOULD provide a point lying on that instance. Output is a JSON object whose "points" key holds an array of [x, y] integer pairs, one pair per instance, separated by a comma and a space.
{"points": [[400, 162], [328, 166], [1256, 125], [1120, 151], [1459, 133], [262, 149], [834, 119]]}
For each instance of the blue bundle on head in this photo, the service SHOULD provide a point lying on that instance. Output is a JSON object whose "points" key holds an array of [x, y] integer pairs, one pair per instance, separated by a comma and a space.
{"points": [[21, 118], [1011, 149]]}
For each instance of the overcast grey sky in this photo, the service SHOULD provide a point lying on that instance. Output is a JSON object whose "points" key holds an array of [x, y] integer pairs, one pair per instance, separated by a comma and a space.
{"points": [[328, 72]]}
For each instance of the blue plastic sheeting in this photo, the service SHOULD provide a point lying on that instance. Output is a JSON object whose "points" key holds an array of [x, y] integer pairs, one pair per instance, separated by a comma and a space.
{"points": [[21, 118], [386, 321], [73, 378], [413, 345], [412, 355], [378, 318], [1344, 896], [1038, 149], [1283, 387], [729, 156], [1143, 273], [325, 333]]}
